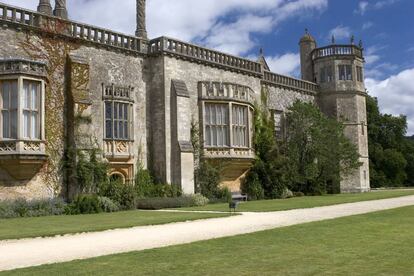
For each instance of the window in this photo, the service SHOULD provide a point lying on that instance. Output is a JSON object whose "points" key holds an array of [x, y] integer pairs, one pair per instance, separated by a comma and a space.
{"points": [[326, 74], [345, 72], [278, 124], [240, 126], [360, 77], [217, 125], [29, 107], [31, 96], [8, 91], [117, 120], [118, 104]]}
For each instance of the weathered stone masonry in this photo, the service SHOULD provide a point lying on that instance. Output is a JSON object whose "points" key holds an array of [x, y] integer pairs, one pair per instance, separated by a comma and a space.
{"points": [[136, 99]]}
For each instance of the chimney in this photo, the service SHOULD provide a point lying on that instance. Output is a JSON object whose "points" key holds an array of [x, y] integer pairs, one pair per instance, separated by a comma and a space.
{"points": [[141, 31], [60, 9], [45, 7]]}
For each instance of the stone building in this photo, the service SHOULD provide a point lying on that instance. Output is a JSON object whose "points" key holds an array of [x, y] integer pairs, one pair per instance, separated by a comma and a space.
{"points": [[67, 86]]}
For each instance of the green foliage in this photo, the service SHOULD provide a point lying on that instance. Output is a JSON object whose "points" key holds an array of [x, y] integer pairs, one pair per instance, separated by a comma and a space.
{"points": [[206, 174], [269, 169], [84, 204], [34, 208], [90, 171], [107, 205], [318, 151], [391, 153], [172, 202], [123, 194]]}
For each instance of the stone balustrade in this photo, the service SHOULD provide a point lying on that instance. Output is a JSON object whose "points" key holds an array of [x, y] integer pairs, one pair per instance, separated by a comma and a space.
{"points": [[197, 53], [229, 152], [22, 147], [337, 50], [289, 82], [35, 21]]}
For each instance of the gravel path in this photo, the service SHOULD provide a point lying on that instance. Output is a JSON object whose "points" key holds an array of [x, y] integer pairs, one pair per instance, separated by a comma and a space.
{"points": [[32, 252]]}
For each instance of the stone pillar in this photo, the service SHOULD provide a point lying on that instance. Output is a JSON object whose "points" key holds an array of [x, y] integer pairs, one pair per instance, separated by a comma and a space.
{"points": [[141, 31], [45, 7], [60, 9]]}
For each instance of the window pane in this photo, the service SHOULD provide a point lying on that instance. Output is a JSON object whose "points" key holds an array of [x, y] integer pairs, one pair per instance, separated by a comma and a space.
{"points": [[34, 126], [116, 105], [5, 95], [126, 131], [26, 124], [34, 96], [26, 95], [108, 110], [6, 125], [108, 129]]}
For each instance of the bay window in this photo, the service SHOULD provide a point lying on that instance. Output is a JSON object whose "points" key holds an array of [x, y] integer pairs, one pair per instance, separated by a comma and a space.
{"points": [[226, 125], [21, 109]]}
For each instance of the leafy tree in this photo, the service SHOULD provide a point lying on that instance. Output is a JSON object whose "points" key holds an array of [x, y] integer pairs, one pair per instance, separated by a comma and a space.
{"points": [[391, 153], [268, 176], [317, 150]]}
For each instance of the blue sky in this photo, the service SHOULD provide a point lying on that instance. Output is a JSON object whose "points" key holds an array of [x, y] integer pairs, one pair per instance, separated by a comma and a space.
{"points": [[241, 27]]}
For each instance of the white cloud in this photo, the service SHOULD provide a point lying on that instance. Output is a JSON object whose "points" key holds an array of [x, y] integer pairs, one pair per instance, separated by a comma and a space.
{"points": [[362, 7], [340, 32], [193, 20], [367, 25], [287, 64], [395, 95]]}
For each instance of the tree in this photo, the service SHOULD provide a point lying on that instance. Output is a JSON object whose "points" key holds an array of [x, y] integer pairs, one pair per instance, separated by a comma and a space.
{"points": [[268, 176], [391, 153], [317, 150]]}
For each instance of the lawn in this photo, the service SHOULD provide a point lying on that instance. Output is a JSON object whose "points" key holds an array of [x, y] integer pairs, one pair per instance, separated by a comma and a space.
{"points": [[303, 202], [373, 244], [57, 225]]}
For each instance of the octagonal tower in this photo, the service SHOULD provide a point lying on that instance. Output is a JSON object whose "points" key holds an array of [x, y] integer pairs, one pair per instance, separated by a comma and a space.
{"points": [[339, 71]]}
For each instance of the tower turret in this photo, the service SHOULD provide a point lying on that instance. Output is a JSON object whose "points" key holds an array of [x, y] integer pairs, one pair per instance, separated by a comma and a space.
{"points": [[45, 7], [307, 44], [339, 71]]}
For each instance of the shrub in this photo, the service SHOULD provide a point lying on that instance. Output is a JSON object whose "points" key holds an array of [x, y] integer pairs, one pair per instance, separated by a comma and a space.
{"points": [[84, 204], [144, 182], [127, 197], [253, 187], [34, 208], [298, 194], [108, 205], [199, 200], [170, 202]]}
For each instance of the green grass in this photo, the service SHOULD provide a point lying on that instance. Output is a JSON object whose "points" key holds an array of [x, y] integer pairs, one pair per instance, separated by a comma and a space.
{"points": [[303, 202], [57, 225], [373, 244]]}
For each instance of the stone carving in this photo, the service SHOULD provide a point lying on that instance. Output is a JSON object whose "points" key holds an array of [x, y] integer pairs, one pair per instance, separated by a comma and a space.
{"points": [[60, 9], [22, 66], [226, 90], [7, 146], [121, 147], [45, 7], [141, 20], [31, 146]]}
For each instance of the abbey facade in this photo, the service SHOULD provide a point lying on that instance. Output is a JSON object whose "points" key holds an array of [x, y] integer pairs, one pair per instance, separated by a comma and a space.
{"points": [[67, 87]]}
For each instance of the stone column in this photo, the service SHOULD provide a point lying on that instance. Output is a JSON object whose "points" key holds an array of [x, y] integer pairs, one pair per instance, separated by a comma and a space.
{"points": [[45, 7], [141, 31], [60, 9]]}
